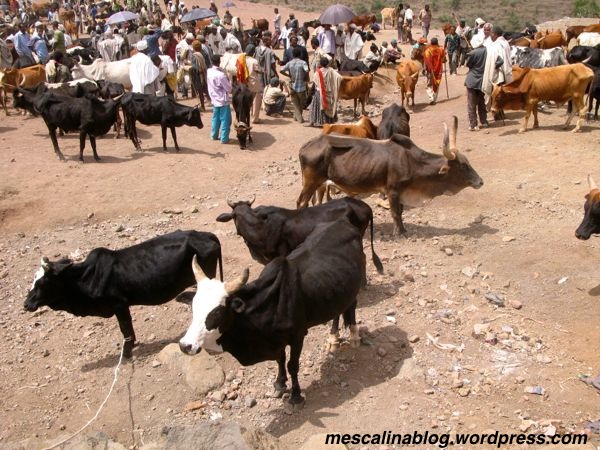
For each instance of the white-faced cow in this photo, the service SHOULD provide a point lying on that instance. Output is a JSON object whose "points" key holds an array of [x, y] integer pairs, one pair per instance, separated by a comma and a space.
{"points": [[255, 322], [397, 167], [108, 282], [591, 217]]}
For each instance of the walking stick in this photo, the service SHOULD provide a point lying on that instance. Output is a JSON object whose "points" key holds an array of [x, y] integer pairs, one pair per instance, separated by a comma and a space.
{"points": [[446, 78]]}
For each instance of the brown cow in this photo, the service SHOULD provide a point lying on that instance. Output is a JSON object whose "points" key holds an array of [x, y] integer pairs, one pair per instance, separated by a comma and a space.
{"points": [[574, 31], [27, 77], [591, 217], [364, 20], [407, 76], [357, 89], [406, 173], [521, 42], [551, 40], [595, 28], [364, 128], [261, 24], [447, 28], [531, 86], [388, 14]]}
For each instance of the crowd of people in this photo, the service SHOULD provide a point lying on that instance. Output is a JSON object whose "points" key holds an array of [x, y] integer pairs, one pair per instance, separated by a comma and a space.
{"points": [[169, 56]]}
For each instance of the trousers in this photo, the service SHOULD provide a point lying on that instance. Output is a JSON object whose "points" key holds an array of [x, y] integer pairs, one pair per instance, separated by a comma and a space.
{"points": [[221, 121]]}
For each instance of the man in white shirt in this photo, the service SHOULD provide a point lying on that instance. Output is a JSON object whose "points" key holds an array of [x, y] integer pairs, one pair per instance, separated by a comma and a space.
{"points": [[229, 41], [408, 16], [142, 71], [353, 43], [182, 59], [327, 40]]}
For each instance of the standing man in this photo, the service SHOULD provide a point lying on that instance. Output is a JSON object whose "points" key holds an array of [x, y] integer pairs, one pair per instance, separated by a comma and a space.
{"points": [[266, 59], [229, 41], [502, 48], [462, 29], [425, 18], [219, 90], [288, 54], [183, 53], [22, 48], [408, 17], [318, 53], [487, 34], [277, 23], [142, 71], [213, 40], [400, 22], [297, 70], [38, 43], [255, 81], [353, 43], [340, 38], [434, 59], [473, 82], [327, 40]]}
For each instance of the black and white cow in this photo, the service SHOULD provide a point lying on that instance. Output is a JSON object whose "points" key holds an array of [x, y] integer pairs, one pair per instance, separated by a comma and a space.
{"points": [[537, 58], [255, 322], [108, 282]]}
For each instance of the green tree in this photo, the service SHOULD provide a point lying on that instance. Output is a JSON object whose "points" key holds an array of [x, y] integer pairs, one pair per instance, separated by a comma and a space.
{"points": [[586, 8]]}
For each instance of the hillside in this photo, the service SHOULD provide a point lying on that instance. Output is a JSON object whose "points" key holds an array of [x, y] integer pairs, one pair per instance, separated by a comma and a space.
{"points": [[510, 14]]}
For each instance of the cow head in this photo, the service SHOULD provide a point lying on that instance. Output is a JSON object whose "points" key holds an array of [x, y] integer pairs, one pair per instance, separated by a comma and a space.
{"points": [[591, 216], [244, 205], [23, 99], [194, 117], [48, 288], [213, 310], [243, 134], [457, 172]]}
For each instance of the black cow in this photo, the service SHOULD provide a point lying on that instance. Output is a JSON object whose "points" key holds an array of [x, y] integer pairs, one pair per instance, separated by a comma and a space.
{"points": [[75, 88], [110, 90], [242, 103], [108, 282], [591, 56], [152, 110], [591, 217], [394, 120], [270, 231], [255, 322], [90, 116]]}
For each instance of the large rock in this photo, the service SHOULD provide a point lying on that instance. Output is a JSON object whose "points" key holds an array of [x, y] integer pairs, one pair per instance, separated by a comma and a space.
{"points": [[215, 436], [317, 442], [97, 441], [409, 370], [202, 373]]}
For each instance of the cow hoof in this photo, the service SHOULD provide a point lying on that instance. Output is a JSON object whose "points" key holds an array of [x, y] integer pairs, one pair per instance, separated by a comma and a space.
{"points": [[295, 405], [354, 343], [97, 158], [521, 130], [277, 393], [333, 347]]}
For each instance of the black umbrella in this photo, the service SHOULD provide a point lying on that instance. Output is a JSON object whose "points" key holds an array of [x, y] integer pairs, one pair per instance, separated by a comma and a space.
{"points": [[197, 14], [336, 14]]}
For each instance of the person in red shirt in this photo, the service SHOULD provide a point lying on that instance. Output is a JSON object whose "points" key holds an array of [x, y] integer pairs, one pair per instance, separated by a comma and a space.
{"points": [[169, 44], [434, 58]]}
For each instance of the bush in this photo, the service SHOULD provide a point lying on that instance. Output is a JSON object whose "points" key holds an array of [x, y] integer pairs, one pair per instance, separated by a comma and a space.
{"points": [[454, 4], [361, 9], [586, 8], [377, 5]]}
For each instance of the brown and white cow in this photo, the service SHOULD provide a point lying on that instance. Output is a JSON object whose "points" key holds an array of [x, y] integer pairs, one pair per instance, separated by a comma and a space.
{"points": [[407, 76], [591, 217], [409, 175], [531, 86], [357, 89]]}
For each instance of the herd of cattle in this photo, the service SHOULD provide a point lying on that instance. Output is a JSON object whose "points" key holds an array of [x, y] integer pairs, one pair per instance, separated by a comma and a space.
{"points": [[314, 261]]}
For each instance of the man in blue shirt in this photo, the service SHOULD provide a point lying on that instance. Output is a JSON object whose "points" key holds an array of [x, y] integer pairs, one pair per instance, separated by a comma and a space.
{"points": [[297, 70], [22, 48], [152, 39], [38, 43]]}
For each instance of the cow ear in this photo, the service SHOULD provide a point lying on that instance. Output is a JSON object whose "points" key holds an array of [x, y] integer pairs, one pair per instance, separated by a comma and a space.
{"points": [[444, 169], [225, 217], [587, 196], [61, 265], [238, 305]]}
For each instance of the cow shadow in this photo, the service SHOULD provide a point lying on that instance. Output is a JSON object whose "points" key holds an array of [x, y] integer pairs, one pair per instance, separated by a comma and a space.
{"points": [[104, 159], [595, 291], [373, 294], [142, 351], [5, 129], [261, 140], [342, 376], [558, 128], [474, 230], [183, 151]]}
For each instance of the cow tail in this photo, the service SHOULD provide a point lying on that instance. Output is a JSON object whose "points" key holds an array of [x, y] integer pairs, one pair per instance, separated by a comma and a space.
{"points": [[376, 259], [220, 264]]}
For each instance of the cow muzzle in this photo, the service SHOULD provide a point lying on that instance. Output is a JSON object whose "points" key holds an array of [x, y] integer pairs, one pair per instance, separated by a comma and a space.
{"points": [[476, 184], [30, 305], [188, 349]]}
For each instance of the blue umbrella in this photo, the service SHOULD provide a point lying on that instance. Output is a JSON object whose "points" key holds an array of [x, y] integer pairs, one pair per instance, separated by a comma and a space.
{"points": [[228, 4], [336, 14], [120, 17], [197, 14]]}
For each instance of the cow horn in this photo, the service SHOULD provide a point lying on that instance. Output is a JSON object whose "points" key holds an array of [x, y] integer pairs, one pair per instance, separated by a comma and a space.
{"points": [[592, 183], [198, 272], [231, 287], [45, 263], [453, 132], [118, 97], [230, 203], [253, 199], [587, 60], [446, 144]]}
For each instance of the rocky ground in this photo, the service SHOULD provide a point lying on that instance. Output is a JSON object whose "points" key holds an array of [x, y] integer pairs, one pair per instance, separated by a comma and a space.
{"points": [[484, 319]]}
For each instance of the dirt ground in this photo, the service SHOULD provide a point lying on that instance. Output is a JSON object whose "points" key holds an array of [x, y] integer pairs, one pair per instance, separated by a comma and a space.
{"points": [[514, 238]]}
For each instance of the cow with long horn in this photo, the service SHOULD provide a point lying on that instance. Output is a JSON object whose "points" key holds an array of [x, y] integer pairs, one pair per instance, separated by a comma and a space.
{"points": [[591, 217], [409, 175]]}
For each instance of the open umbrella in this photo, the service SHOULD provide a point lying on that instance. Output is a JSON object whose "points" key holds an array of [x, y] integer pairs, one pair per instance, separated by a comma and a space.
{"points": [[197, 14], [122, 16], [336, 14], [228, 5]]}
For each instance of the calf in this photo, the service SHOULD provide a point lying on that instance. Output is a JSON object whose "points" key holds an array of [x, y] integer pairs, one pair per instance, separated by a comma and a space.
{"points": [[108, 282], [242, 103], [255, 322], [558, 84], [270, 231], [357, 89], [152, 110], [261, 24], [394, 120], [407, 75], [110, 90], [388, 14], [537, 58], [364, 20], [90, 116], [27, 77], [591, 217], [363, 128]]}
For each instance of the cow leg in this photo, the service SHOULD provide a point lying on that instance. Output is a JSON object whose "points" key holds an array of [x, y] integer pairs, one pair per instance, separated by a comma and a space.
{"points": [[174, 136], [118, 125], [350, 321], [396, 208], [528, 110], [363, 102], [355, 104], [293, 366], [126, 326], [578, 106], [93, 144], [82, 136], [280, 384], [163, 130], [52, 132], [333, 341], [3, 98], [536, 124]]}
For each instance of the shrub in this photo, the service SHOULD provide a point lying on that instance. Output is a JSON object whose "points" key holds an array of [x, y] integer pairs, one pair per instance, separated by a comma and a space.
{"points": [[586, 8]]}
